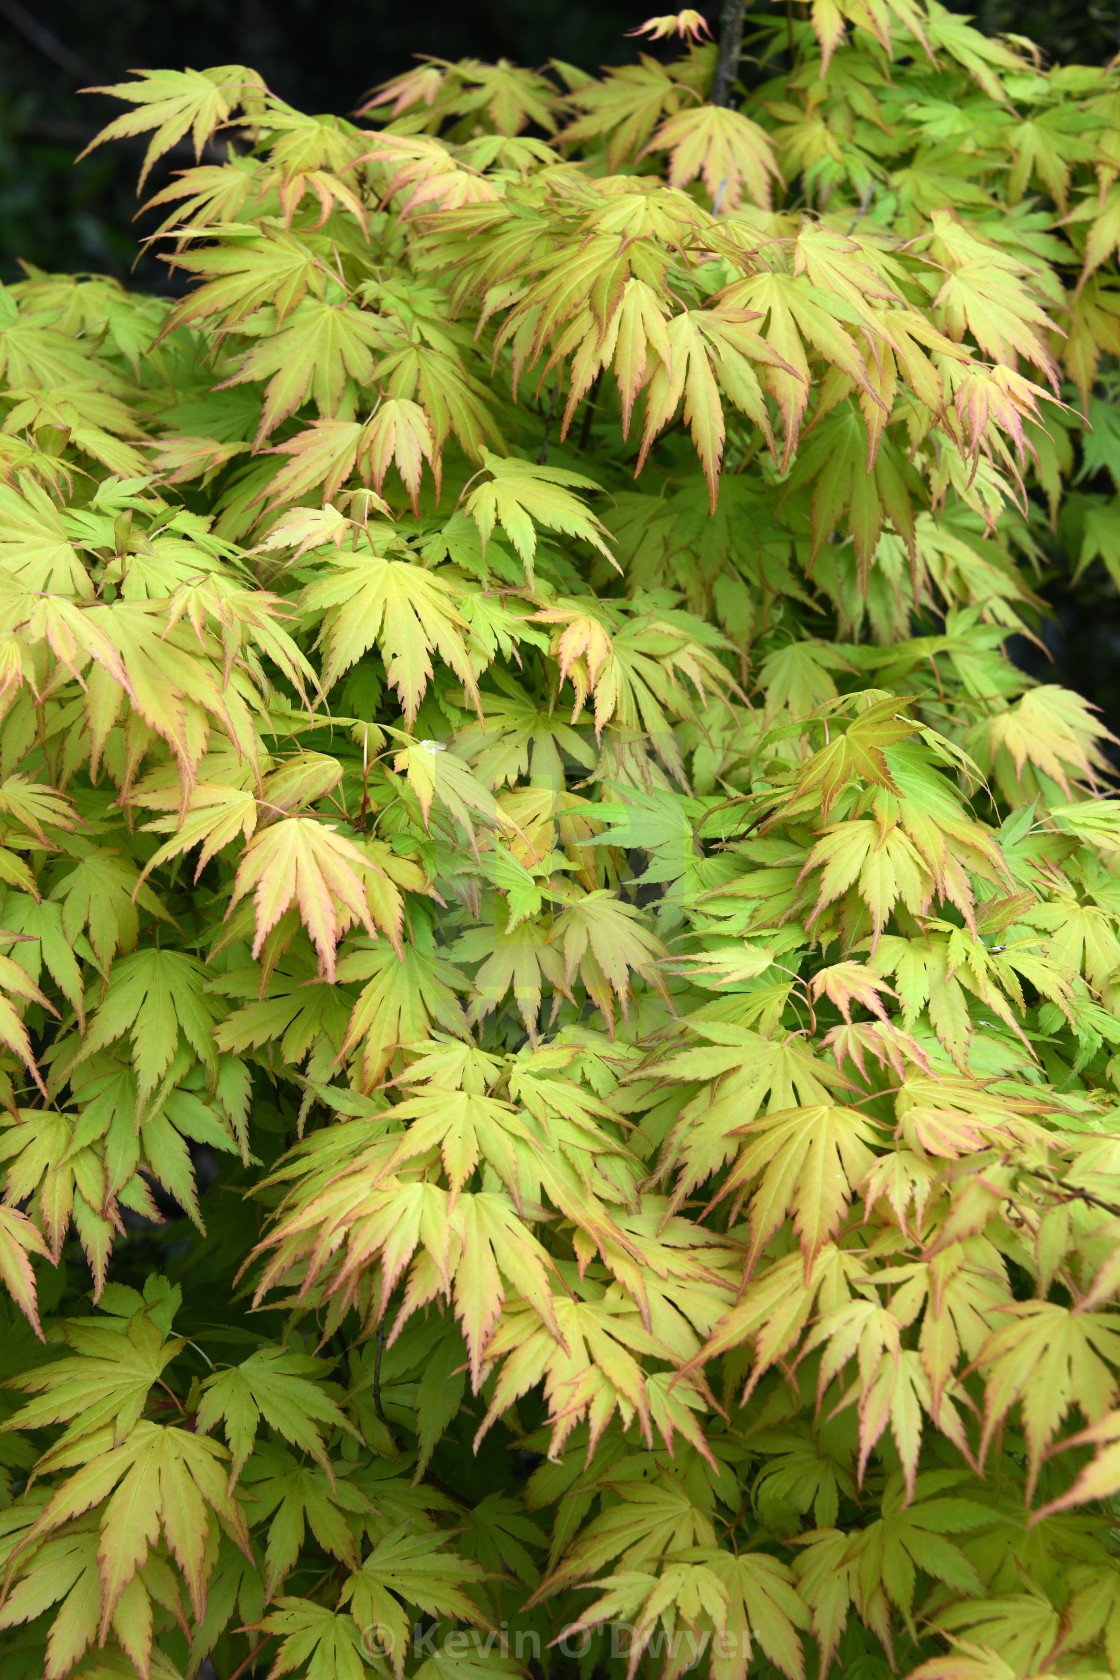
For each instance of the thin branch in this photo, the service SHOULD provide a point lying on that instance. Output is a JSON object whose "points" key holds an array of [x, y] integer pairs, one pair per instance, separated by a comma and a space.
{"points": [[730, 51], [251, 1658], [44, 39], [864, 202], [1063, 1192]]}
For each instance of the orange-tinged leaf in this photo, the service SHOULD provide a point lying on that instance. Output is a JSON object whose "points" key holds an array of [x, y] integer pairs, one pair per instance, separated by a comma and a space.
{"points": [[19, 1238], [160, 1479], [846, 983], [1048, 1358], [804, 1162], [303, 862], [730, 153], [1100, 1478], [174, 103], [687, 23], [400, 434]]}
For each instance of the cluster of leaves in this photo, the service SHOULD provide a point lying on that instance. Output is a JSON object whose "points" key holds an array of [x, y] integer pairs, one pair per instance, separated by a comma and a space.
{"points": [[518, 830]]}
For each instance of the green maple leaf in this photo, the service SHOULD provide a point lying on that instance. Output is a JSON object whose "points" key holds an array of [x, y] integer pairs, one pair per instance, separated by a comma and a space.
{"points": [[102, 893], [420, 1570], [174, 103], [499, 1535], [322, 345], [154, 996], [108, 1380], [328, 1641], [301, 1497], [368, 598], [274, 1384], [521, 496], [158, 1479]]}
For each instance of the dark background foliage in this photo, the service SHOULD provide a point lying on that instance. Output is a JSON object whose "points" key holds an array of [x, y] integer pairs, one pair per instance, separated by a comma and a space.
{"points": [[325, 57]]}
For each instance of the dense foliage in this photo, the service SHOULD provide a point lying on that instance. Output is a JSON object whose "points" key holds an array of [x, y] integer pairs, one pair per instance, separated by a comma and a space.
{"points": [[522, 842]]}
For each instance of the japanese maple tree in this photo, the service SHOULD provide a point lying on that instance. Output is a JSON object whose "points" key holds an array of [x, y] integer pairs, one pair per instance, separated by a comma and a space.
{"points": [[559, 990]]}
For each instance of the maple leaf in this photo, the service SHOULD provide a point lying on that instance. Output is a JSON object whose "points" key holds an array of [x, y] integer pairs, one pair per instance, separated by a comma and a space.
{"points": [[521, 960], [435, 773], [328, 1641], [273, 1383], [103, 892], [420, 1570], [726, 149], [1072, 1347], [13, 1032], [369, 597], [1053, 731], [322, 346], [66, 1569], [106, 1382], [159, 1479], [177, 102], [403, 995], [775, 1306], [214, 818], [438, 1398], [799, 1475], [708, 351], [298, 1497], [795, 311], [400, 434], [1098, 1479], [765, 1608], [462, 1245], [687, 23], [500, 1535], [300, 861], [603, 938], [798, 677], [155, 996], [847, 983], [979, 55], [738, 1070], [36, 1147], [807, 1162], [44, 945], [624, 108], [885, 1557], [1093, 1608], [19, 1238], [269, 268], [586, 1359], [521, 496], [985, 294], [1022, 1628], [647, 1522], [847, 484]]}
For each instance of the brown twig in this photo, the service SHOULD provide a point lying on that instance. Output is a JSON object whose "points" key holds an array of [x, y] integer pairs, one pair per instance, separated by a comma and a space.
{"points": [[251, 1658], [44, 39], [730, 51], [1064, 1192]]}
